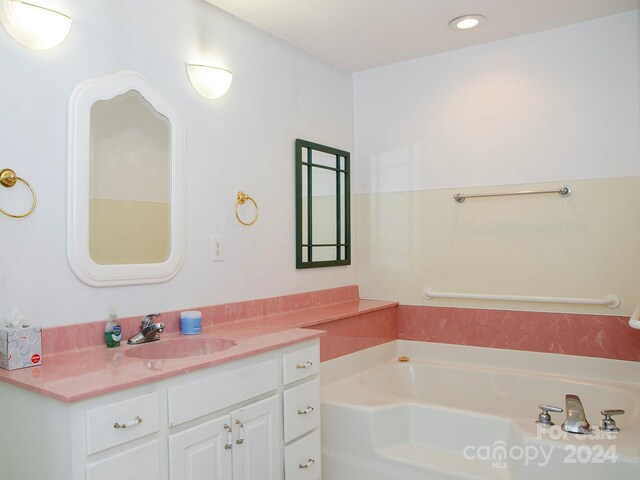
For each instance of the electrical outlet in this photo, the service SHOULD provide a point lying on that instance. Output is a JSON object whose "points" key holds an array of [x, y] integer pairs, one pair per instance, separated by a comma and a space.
{"points": [[217, 248]]}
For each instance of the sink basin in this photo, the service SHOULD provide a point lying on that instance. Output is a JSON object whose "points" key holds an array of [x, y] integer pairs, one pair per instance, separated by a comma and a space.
{"points": [[179, 348]]}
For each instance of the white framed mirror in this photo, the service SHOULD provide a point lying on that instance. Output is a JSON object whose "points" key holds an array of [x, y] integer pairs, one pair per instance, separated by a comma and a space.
{"points": [[125, 175]]}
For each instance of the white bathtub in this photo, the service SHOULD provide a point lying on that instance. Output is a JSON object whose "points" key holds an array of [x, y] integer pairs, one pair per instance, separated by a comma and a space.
{"points": [[455, 412]]}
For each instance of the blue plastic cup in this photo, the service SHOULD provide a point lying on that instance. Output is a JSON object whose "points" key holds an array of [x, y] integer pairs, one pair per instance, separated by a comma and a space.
{"points": [[191, 322]]}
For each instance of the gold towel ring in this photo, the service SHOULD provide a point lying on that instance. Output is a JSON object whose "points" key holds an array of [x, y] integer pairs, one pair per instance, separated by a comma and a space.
{"points": [[240, 200], [8, 178]]}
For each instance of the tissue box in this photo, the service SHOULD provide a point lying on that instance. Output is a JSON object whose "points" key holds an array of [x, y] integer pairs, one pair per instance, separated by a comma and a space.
{"points": [[20, 347]]}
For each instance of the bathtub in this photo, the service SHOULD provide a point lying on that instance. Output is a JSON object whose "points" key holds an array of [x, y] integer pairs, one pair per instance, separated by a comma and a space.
{"points": [[457, 412]]}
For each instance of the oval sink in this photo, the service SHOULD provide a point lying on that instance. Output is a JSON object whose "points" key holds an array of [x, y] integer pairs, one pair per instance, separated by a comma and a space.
{"points": [[180, 348]]}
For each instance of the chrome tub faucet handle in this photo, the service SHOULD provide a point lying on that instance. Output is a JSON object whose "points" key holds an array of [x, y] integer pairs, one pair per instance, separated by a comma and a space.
{"points": [[545, 418], [608, 424]]}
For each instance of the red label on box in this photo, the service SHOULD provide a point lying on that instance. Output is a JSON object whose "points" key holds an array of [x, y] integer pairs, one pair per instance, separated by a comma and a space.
{"points": [[35, 358]]}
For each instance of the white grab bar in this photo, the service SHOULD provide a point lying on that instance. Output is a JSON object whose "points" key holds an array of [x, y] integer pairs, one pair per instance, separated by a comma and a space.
{"points": [[634, 320], [610, 300]]}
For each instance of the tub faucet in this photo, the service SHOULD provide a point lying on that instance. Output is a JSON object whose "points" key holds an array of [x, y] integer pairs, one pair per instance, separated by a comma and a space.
{"points": [[576, 421], [148, 330]]}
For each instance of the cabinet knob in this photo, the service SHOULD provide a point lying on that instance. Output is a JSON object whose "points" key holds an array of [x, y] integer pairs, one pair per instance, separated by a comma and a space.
{"points": [[306, 411], [132, 423], [310, 462], [306, 364]]}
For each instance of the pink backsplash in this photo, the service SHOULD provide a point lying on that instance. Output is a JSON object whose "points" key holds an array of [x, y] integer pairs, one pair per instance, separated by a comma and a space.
{"points": [[352, 325], [572, 334], [86, 335]]}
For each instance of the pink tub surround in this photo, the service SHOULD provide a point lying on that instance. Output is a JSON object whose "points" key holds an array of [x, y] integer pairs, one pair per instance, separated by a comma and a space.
{"points": [[601, 336]]}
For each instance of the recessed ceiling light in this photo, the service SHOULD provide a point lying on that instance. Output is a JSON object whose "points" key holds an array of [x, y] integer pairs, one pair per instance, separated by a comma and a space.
{"points": [[466, 22]]}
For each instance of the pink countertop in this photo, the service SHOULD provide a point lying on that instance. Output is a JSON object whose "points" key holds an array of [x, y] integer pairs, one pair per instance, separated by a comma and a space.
{"points": [[82, 373]]}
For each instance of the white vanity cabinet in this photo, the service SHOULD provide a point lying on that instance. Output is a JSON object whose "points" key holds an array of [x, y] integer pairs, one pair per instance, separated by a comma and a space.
{"points": [[235, 421]]}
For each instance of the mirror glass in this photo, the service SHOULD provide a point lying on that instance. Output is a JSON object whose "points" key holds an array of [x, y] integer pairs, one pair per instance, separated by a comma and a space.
{"points": [[129, 215], [125, 183], [322, 206]]}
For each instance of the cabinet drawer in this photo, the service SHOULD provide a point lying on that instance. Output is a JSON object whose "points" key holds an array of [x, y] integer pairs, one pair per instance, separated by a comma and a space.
{"points": [[206, 396], [138, 463], [301, 409], [302, 458], [300, 364], [136, 418]]}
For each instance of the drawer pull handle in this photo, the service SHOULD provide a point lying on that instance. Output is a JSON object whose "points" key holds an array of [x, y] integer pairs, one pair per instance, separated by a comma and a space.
{"points": [[240, 440], [304, 365], [308, 464], [133, 423], [228, 445], [306, 411]]}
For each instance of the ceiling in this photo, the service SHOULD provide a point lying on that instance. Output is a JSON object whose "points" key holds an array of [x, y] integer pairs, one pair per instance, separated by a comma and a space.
{"points": [[358, 35]]}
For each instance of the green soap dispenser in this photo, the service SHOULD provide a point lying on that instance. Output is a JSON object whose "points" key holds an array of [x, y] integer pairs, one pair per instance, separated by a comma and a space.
{"points": [[113, 330]]}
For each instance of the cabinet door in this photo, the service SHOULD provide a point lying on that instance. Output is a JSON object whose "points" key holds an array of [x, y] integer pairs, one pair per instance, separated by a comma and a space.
{"points": [[257, 449], [202, 452]]}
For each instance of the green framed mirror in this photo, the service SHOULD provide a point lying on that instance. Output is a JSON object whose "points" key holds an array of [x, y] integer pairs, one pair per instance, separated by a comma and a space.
{"points": [[323, 206]]}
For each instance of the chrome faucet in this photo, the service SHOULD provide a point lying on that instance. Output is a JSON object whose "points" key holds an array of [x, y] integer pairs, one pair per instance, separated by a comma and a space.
{"points": [[148, 330], [576, 421]]}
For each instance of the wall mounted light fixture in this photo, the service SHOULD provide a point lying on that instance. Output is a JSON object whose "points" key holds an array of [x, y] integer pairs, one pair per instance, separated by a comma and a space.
{"points": [[34, 26], [210, 82]]}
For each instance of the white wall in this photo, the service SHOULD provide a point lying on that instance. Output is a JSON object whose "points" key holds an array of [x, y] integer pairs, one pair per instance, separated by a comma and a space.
{"points": [[537, 111], [560, 104], [243, 141]]}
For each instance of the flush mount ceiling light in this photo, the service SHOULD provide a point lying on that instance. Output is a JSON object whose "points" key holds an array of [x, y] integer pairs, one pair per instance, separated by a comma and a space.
{"points": [[34, 26], [210, 82], [466, 22]]}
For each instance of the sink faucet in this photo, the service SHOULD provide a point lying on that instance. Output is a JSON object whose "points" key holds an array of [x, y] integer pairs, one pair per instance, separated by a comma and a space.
{"points": [[148, 330], [576, 421]]}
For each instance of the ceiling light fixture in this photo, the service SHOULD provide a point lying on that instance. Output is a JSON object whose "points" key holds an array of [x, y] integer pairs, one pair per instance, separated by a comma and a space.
{"points": [[33, 26], [466, 22], [210, 82]]}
